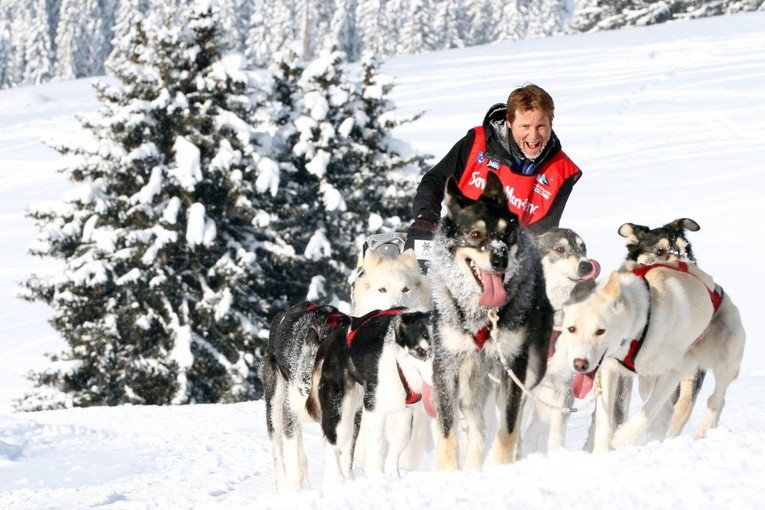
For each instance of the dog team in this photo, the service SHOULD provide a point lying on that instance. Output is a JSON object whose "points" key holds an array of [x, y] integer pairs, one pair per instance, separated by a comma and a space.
{"points": [[506, 318], [501, 317]]}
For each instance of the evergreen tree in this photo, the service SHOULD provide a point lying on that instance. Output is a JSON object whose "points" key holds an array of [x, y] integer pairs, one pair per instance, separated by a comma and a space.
{"points": [[6, 52], [342, 153], [128, 14], [449, 24], [159, 299], [81, 45], [343, 29], [417, 28], [39, 68]]}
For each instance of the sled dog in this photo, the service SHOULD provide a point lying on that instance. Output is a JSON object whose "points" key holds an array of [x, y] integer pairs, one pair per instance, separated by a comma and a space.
{"points": [[565, 263], [651, 320], [380, 365], [389, 280], [288, 378], [492, 316], [385, 282], [669, 243]]}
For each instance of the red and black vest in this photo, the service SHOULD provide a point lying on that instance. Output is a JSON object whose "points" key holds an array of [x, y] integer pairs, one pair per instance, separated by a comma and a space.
{"points": [[528, 196]]}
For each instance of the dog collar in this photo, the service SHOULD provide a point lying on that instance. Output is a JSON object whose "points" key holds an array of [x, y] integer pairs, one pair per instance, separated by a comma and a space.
{"points": [[412, 397], [480, 337]]}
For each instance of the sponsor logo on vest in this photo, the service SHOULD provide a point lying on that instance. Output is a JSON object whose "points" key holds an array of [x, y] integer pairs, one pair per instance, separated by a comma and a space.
{"points": [[476, 180], [480, 158], [523, 205], [542, 179], [493, 164]]}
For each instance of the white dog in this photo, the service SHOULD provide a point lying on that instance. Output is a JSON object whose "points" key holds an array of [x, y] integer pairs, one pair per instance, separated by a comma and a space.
{"points": [[385, 282], [565, 263], [650, 320]]}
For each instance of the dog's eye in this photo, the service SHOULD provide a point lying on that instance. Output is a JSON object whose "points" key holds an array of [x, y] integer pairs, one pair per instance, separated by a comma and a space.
{"points": [[405, 289], [661, 252], [599, 332], [420, 352], [572, 329], [382, 290], [476, 235], [560, 249]]}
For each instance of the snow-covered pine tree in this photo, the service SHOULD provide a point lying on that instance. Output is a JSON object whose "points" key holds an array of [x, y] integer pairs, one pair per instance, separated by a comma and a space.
{"points": [[38, 68], [158, 299], [348, 179], [81, 43]]}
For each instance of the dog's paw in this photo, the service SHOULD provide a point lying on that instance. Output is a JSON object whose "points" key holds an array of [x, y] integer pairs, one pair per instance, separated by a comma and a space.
{"points": [[630, 432]]}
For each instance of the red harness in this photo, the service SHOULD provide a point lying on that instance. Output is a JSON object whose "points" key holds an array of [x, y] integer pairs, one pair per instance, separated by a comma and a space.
{"points": [[715, 295], [358, 322], [412, 397]]}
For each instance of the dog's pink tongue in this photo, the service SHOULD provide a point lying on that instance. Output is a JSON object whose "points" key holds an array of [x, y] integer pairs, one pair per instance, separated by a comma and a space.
{"points": [[427, 399], [582, 384], [595, 270], [493, 289]]}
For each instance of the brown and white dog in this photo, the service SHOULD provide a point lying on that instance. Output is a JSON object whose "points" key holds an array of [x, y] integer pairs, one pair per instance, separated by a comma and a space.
{"points": [[670, 243], [656, 321]]}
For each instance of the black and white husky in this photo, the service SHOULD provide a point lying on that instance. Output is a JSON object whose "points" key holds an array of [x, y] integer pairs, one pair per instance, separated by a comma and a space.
{"points": [[322, 365], [381, 366], [492, 316], [290, 386]]}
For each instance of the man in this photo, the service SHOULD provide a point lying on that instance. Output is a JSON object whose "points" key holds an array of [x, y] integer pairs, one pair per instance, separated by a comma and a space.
{"points": [[517, 142]]}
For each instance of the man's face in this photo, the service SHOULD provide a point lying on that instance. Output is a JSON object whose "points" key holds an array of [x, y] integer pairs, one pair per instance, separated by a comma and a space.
{"points": [[531, 130]]}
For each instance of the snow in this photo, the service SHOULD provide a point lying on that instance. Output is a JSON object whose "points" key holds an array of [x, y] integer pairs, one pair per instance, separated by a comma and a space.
{"points": [[666, 121]]}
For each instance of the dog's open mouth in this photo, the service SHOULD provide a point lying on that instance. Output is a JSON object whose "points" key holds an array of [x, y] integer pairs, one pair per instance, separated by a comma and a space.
{"points": [[492, 285]]}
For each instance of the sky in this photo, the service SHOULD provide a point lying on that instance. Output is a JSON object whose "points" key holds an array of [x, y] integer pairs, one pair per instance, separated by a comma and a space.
{"points": [[665, 121]]}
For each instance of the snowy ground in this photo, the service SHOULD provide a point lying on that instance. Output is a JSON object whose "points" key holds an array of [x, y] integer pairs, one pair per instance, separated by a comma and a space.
{"points": [[666, 121]]}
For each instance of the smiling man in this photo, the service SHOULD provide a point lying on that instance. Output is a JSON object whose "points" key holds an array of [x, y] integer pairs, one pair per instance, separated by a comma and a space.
{"points": [[517, 142]]}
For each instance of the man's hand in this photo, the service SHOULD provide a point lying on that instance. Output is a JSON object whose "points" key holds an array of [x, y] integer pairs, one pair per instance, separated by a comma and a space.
{"points": [[419, 237]]}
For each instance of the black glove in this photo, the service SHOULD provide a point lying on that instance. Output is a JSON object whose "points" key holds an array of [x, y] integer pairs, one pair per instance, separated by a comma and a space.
{"points": [[418, 238]]}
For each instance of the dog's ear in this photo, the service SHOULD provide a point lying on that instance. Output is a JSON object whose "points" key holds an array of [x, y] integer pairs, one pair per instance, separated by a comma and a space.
{"points": [[372, 259], [683, 224], [493, 189], [632, 232], [581, 290], [452, 194], [612, 290], [409, 259]]}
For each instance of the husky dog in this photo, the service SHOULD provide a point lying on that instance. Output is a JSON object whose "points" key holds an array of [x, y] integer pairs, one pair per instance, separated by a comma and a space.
{"points": [[492, 317], [385, 280], [654, 321], [288, 377], [669, 243], [565, 263], [380, 365]]}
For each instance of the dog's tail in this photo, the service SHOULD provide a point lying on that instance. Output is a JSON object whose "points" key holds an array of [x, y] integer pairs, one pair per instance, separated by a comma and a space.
{"points": [[312, 406]]}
